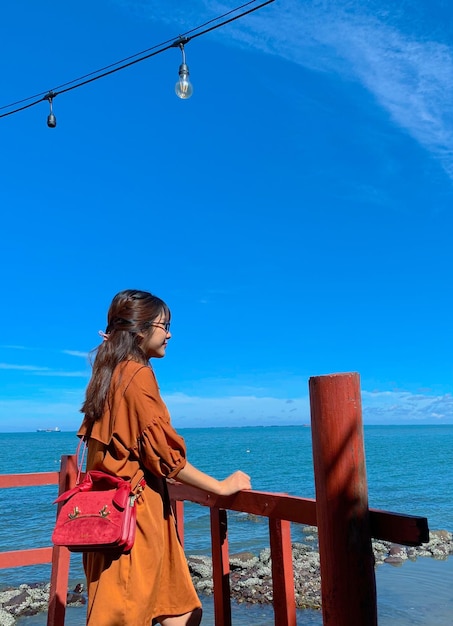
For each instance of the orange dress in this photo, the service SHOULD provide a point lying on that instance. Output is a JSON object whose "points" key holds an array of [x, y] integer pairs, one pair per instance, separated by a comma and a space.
{"points": [[135, 437]]}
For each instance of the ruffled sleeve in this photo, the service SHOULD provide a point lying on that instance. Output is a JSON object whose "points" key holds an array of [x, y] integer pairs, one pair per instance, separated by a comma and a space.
{"points": [[156, 444], [162, 450]]}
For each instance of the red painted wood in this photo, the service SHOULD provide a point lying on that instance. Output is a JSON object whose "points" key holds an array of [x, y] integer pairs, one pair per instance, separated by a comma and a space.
{"points": [[348, 583], [178, 510], [279, 506], [21, 558], [60, 555], [28, 480], [220, 567], [408, 530], [58, 586], [282, 573]]}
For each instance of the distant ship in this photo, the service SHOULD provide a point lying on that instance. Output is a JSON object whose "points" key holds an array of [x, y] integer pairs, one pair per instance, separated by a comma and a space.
{"points": [[49, 430]]}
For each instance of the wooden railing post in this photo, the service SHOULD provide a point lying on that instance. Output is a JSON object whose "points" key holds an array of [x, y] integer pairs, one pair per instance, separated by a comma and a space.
{"points": [[60, 555], [220, 567], [284, 598], [348, 582], [178, 511]]}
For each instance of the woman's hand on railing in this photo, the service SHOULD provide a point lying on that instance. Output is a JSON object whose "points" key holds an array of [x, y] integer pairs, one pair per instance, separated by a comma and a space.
{"points": [[237, 481], [234, 483]]}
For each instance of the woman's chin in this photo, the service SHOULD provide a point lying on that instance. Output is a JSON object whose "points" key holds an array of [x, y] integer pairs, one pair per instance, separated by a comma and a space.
{"points": [[158, 354]]}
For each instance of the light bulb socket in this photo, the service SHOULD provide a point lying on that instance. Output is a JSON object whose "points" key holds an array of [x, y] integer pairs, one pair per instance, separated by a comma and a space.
{"points": [[183, 87], [184, 69], [51, 120]]}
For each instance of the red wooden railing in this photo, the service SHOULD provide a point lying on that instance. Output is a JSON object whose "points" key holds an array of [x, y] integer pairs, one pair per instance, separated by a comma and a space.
{"points": [[58, 556], [340, 511], [281, 510], [37, 556]]}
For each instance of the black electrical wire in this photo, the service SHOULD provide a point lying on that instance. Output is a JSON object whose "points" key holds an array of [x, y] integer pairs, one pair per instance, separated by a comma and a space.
{"points": [[232, 19], [133, 56], [127, 62]]}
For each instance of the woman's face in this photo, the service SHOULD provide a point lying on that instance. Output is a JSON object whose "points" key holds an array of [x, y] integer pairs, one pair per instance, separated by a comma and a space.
{"points": [[155, 339]]}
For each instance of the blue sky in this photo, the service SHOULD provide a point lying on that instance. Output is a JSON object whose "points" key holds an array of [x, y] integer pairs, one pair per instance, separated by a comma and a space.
{"points": [[295, 213]]}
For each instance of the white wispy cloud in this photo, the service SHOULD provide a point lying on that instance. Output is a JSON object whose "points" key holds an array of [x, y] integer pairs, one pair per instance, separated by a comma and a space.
{"points": [[77, 353], [378, 408], [403, 407], [44, 371], [409, 74], [62, 407], [65, 374], [236, 410], [24, 368]]}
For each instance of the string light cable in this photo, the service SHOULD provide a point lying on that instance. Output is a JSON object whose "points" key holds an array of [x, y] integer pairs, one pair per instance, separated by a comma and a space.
{"points": [[183, 87]]}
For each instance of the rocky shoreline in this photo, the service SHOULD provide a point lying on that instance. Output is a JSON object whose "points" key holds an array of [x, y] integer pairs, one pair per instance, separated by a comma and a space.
{"points": [[250, 578]]}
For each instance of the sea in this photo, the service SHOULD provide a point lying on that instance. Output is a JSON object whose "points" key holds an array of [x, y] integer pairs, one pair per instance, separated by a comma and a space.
{"points": [[409, 470]]}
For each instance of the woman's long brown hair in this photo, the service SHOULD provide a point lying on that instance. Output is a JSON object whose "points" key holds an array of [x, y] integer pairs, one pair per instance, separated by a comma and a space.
{"points": [[130, 314]]}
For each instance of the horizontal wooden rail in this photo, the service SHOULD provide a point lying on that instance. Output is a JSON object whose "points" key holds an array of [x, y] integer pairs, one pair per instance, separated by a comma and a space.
{"points": [[33, 556], [29, 480], [277, 505], [409, 530], [21, 558]]}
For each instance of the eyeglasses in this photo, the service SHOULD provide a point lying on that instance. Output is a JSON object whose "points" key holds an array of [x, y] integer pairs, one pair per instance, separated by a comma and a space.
{"points": [[163, 325]]}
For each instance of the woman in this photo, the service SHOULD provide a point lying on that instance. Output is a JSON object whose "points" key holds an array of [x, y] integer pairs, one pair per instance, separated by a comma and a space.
{"points": [[130, 435]]}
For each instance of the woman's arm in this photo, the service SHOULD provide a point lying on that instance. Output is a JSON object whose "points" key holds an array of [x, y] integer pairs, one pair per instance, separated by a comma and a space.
{"points": [[237, 481]]}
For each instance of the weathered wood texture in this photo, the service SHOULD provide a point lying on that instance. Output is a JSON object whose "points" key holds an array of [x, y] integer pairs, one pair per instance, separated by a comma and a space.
{"points": [[348, 584]]}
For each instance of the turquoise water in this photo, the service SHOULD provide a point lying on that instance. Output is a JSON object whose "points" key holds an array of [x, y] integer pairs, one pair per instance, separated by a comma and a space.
{"points": [[409, 470]]}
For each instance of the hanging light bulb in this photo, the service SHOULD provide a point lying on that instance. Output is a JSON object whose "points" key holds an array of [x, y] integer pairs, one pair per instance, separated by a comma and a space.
{"points": [[183, 87], [51, 119]]}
